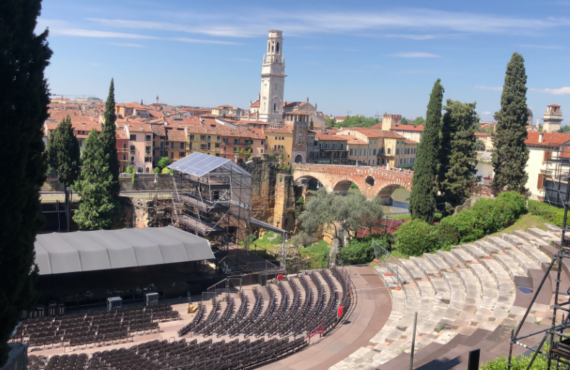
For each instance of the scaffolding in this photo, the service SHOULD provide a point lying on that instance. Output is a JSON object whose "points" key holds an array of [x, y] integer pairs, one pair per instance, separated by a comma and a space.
{"points": [[555, 176], [212, 198], [557, 335]]}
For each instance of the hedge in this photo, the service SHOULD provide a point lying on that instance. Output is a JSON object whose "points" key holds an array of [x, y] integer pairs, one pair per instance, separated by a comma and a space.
{"points": [[552, 214], [485, 217]]}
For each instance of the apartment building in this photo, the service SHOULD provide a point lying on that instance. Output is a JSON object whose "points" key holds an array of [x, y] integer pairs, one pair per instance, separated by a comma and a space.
{"points": [[280, 142], [140, 145], [333, 149]]}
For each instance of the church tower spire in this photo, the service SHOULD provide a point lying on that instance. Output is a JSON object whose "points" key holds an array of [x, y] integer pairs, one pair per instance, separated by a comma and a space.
{"points": [[272, 79]]}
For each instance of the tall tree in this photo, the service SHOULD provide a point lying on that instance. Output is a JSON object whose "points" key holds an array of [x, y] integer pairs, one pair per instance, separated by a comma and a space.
{"points": [[457, 157], [63, 152], [422, 199], [24, 97], [511, 153], [97, 208], [109, 139], [63, 157]]}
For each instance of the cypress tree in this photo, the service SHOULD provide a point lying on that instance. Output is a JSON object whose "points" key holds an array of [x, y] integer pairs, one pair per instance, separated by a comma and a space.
{"points": [[97, 207], [24, 97], [511, 153], [457, 157], [63, 152], [422, 199], [109, 139]]}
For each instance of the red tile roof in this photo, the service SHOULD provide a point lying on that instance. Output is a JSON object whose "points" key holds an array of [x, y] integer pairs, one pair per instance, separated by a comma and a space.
{"points": [[255, 104], [374, 133], [410, 142], [175, 135], [278, 131], [326, 136], [549, 139], [418, 128]]}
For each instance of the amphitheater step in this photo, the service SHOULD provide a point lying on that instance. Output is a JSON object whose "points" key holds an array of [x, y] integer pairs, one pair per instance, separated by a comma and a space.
{"points": [[523, 260], [487, 247], [541, 234], [437, 262], [499, 243], [412, 269], [387, 277], [398, 272], [473, 299], [440, 288], [489, 292], [513, 240], [553, 229], [506, 294], [510, 266], [462, 256], [449, 259], [457, 303], [474, 251], [425, 266], [529, 238]]}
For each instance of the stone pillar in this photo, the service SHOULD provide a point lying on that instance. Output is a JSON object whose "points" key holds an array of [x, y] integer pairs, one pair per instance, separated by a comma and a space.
{"points": [[284, 201]]}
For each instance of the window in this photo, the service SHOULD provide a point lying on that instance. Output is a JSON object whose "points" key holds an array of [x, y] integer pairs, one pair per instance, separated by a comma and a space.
{"points": [[181, 154], [124, 145], [274, 148], [171, 155], [397, 151], [133, 149], [148, 138], [374, 152], [236, 141], [224, 150], [277, 47], [124, 157], [400, 160], [191, 137], [139, 170], [350, 151], [147, 170], [133, 137], [275, 107], [132, 159], [172, 145], [261, 150], [182, 146], [389, 150], [235, 149], [334, 146], [147, 150], [261, 142]]}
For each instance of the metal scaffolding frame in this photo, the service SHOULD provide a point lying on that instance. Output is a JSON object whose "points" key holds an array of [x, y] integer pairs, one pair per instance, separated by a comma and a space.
{"points": [[213, 198], [555, 185]]}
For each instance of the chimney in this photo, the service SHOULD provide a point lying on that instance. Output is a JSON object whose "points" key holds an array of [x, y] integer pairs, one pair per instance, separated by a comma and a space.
{"points": [[540, 137]]}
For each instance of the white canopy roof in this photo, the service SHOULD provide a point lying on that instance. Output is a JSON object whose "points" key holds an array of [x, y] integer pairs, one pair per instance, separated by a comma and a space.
{"points": [[59, 253], [200, 164]]}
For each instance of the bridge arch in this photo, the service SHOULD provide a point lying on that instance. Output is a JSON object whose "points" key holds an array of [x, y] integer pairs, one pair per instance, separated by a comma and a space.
{"points": [[305, 179], [343, 185], [385, 193]]}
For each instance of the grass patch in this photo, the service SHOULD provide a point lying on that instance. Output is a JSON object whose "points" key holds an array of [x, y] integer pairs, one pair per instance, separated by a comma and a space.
{"points": [[317, 254], [525, 222]]}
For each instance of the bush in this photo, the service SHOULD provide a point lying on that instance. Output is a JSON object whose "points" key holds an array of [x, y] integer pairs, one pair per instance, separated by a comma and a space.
{"points": [[552, 214], [445, 236], [467, 225], [317, 254], [415, 238], [357, 252], [521, 363]]}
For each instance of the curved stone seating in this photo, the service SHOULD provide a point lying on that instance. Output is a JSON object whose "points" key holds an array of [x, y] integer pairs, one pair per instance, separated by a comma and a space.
{"points": [[463, 297]]}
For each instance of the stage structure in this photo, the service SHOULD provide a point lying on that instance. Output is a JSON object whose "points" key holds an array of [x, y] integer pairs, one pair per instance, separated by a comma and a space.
{"points": [[212, 198], [555, 179], [557, 335]]}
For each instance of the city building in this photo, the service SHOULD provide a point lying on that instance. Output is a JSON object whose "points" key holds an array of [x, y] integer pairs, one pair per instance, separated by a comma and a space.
{"points": [[552, 119], [280, 142], [486, 139], [140, 145], [333, 149], [391, 122]]}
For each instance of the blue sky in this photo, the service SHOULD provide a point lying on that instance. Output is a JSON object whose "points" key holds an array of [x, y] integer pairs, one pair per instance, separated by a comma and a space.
{"points": [[363, 57]]}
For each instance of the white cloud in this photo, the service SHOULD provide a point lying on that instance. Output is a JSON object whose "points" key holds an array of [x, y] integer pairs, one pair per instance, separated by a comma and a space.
{"points": [[551, 47], [257, 22], [493, 88], [560, 91], [59, 27], [416, 54], [126, 44], [486, 113], [185, 39]]}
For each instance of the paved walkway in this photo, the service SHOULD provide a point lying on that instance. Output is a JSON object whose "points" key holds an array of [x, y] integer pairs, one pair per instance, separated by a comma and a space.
{"points": [[371, 311]]}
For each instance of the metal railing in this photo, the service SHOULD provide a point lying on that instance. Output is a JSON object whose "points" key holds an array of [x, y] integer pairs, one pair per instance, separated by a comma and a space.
{"points": [[387, 261]]}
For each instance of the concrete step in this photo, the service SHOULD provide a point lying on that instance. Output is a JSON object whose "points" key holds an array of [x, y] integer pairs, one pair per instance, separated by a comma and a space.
{"points": [[489, 293], [510, 266], [506, 293], [523, 260], [412, 269], [553, 229], [451, 318], [463, 256], [541, 234], [440, 288], [487, 247], [475, 251], [513, 240], [437, 262], [529, 238], [398, 272], [385, 275], [535, 254], [473, 300], [449, 259], [499, 243], [425, 266]]}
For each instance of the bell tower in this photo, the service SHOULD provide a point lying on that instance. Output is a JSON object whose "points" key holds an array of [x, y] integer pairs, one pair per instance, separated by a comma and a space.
{"points": [[552, 118], [272, 79]]}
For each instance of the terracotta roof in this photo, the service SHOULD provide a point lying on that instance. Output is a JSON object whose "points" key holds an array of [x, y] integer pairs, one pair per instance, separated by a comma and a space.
{"points": [[553, 105], [278, 131], [257, 133], [375, 133], [255, 104], [176, 135], [355, 141], [326, 136], [482, 134], [297, 112], [122, 135], [225, 106], [549, 139], [418, 128], [410, 142], [247, 122], [340, 117], [158, 130]]}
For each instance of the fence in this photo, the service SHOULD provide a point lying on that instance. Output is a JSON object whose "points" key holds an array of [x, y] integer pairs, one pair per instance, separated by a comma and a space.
{"points": [[387, 261]]}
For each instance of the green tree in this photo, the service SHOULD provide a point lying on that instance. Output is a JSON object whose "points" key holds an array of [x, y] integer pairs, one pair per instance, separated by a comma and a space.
{"points": [[303, 239], [479, 145], [404, 121], [511, 153], [24, 97], [419, 121], [358, 121], [163, 162], [311, 126], [330, 122], [457, 157], [63, 152], [422, 199], [97, 208], [109, 139]]}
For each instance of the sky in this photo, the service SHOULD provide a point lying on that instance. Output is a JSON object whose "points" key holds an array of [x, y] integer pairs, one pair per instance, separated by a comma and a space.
{"points": [[349, 57]]}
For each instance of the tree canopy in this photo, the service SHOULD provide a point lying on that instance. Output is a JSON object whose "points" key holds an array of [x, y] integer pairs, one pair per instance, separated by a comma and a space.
{"points": [[419, 121], [457, 157], [422, 199], [358, 121], [510, 154], [109, 139], [97, 208], [63, 152], [24, 99]]}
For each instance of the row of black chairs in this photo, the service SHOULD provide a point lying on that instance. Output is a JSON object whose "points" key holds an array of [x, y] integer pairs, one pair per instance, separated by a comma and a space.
{"points": [[225, 327]]}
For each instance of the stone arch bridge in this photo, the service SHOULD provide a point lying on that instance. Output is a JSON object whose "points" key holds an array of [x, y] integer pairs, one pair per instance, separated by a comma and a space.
{"points": [[371, 181]]}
